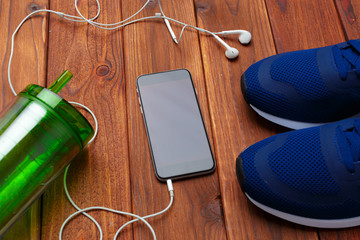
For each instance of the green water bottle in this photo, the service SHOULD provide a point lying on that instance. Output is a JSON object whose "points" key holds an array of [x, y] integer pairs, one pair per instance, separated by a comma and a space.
{"points": [[39, 135]]}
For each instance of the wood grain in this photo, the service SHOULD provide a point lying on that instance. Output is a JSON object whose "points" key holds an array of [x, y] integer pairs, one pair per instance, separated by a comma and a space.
{"points": [[242, 128], [100, 175], [235, 126], [320, 26], [349, 16], [29, 66], [116, 170], [304, 24], [196, 213]]}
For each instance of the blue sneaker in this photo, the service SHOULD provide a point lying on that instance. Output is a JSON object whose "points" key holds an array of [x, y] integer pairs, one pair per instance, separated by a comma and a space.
{"points": [[309, 176], [306, 88]]}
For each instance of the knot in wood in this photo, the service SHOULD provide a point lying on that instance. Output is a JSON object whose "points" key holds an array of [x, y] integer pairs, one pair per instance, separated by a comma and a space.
{"points": [[202, 6], [102, 70], [152, 4], [212, 210], [33, 7]]}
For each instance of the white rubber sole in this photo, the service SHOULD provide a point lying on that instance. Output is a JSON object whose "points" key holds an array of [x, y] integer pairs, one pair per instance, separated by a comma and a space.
{"points": [[290, 123], [311, 222]]}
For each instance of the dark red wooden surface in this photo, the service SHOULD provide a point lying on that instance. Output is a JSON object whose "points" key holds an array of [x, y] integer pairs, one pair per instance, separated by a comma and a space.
{"points": [[116, 170]]}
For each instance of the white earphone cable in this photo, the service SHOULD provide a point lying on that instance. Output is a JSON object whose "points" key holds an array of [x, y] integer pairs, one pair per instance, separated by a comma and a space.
{"points": [[107, 26], [83, 211]]}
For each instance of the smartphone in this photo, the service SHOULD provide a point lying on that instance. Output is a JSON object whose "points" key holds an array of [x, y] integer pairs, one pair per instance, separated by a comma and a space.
{"points": [[175, 128]]}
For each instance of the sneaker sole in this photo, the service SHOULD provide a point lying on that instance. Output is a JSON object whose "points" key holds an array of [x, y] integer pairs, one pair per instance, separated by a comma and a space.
{"points": [[280, 121], [311, 222], [290, 123], [283, 121]]}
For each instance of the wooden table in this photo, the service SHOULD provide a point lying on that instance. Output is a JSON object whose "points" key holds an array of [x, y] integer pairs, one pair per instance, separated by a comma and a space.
{"points": [[116, 170]]}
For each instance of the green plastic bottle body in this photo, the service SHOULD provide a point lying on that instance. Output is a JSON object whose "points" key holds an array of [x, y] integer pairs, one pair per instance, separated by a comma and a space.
{"points": [[39, 135]]}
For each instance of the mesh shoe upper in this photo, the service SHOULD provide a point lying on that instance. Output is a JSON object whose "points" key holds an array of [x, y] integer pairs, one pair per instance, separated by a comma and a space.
{"points": [[289, 164], [316, 85], [299, 69], [313, 173]]}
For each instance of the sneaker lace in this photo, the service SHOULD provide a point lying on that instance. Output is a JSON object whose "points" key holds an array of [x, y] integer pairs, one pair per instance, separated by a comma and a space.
{"points": [[347, 58], [349, 144]]}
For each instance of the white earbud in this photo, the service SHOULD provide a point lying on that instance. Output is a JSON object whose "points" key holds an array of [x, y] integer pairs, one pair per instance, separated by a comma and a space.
{"points": [[230, 52], [244, 38]]}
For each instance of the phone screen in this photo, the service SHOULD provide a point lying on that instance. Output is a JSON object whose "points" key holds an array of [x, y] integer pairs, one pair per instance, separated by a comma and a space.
{"points": [[175, 127]]}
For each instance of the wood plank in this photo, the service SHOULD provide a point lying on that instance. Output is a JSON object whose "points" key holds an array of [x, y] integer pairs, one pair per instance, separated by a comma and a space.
{"points": [[349, 15], [305, 24], [99, 176], [241, 127], [315, 31], [197, 212], [29, 66], [339, 234]]}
